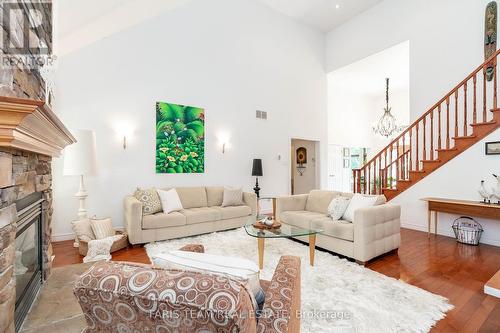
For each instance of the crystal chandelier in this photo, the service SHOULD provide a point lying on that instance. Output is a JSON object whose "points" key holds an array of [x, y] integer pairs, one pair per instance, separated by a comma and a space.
{"points": [[387, 126]]}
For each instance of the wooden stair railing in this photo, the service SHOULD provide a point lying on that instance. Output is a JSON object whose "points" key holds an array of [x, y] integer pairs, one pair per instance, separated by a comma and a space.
{"points": [[440, 134]]}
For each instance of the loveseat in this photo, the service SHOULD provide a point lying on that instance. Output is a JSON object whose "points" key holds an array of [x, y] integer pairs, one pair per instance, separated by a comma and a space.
{"points": [[374, 230], [125, 297], [202, 213]]}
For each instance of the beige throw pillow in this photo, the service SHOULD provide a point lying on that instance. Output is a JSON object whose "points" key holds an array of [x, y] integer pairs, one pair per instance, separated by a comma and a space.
{"points": [[83, 230], [232, 197], [170, 201], [358, 201], [102, 228], [150, 200]]}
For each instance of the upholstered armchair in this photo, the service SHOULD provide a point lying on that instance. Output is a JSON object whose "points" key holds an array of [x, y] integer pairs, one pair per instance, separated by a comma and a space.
{"points": [[129, 297]]}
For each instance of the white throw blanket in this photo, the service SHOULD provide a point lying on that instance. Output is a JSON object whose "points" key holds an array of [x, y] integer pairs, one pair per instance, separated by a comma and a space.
{"points": [[99, 249]]}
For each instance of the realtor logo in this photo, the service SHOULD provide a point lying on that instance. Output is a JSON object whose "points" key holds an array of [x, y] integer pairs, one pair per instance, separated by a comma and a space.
{"points": [[27, 34]]}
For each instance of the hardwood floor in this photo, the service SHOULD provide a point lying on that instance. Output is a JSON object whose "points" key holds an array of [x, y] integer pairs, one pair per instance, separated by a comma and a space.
{"points": [[439, 265]]}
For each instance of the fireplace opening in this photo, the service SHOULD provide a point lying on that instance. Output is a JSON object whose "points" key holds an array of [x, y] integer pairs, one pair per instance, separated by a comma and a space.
{"points": [[28, 255]]}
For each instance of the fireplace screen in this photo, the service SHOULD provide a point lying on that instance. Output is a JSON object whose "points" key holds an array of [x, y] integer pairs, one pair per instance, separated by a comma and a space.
{"points": [[27, 262], [28, 259]]}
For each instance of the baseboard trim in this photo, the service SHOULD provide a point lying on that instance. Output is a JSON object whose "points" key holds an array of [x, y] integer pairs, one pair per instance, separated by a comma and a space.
{"points": [[447, 233], [62, 237], [71, 236]]}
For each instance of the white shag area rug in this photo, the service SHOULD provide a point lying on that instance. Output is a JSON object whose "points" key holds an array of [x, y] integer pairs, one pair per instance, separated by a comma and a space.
{"points": [[337, 295]]}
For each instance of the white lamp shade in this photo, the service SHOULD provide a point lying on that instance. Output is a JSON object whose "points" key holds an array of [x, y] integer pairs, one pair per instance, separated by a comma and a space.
{"points": [[80, 157]]}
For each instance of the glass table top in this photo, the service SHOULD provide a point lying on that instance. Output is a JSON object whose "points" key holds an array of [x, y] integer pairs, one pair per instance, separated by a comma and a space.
{"points": [[286, 231]]}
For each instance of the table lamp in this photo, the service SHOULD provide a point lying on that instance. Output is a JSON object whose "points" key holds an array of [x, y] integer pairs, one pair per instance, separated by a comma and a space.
{"points": [[257, 172]]}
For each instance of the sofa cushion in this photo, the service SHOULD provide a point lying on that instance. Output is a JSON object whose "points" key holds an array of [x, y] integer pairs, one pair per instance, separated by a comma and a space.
{"points": [[318, 201], [201, 215], [235, 212], [215, 195], [301, 218], [192, 197], [338, 229], [161, 220]]}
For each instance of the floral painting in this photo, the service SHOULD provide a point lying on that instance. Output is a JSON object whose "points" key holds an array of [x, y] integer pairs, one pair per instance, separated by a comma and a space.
{"points": [[180, 138]]}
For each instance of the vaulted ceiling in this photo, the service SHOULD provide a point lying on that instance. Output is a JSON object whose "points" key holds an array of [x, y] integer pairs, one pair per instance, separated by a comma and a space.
{"points": [[80, 22], [323, 15]]}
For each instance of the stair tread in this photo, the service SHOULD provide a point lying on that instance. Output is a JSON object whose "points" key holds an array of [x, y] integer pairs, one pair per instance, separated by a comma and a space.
{"points": [[417, 171], [403, 181], [431, 161], [464, 137], [446, 149], [492, 122]]}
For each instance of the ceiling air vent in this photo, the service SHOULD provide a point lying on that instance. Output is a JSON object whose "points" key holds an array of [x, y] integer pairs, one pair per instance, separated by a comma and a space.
{"points": [[261, 114]]}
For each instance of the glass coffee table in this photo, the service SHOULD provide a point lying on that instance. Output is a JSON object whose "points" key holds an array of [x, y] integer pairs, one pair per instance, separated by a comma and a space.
{"points": [[285, 231]]}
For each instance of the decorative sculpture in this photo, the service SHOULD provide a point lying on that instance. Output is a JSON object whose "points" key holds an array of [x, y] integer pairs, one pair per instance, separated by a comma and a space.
{"points": [[483, 192], [495, 193], [490, 37]]}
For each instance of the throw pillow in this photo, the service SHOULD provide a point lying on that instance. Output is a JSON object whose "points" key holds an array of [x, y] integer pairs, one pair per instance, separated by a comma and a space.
{"points": [[170, 201], [238, 268], [232, 197], [83, 230], [99, 249], [337, 207], [149, 199], [358, 201], [102, 228]]}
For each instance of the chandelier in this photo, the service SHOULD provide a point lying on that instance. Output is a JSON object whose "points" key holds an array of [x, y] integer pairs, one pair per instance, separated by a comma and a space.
{"points": [[387, 126]]}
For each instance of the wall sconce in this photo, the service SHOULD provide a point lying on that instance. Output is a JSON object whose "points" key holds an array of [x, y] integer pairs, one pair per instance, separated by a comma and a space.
{"points": [[124, 133], [223, 141]]}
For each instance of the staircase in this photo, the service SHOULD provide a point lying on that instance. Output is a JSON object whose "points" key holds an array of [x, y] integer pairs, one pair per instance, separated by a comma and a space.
{"points": [[460, 119]]}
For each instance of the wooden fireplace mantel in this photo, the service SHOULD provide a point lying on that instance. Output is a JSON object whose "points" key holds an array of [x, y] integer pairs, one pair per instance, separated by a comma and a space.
{"points": [[32, 126]]}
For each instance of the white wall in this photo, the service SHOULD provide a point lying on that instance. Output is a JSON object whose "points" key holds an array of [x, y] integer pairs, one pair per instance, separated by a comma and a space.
{"points": [[230, 57], [446, 39]]}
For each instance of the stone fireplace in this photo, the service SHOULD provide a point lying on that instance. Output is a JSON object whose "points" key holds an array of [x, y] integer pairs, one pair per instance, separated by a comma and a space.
{"points": [[30, 135]]}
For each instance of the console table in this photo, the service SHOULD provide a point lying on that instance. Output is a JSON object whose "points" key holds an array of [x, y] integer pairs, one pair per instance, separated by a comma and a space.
{"points": [[465, 207], [459, 207]]}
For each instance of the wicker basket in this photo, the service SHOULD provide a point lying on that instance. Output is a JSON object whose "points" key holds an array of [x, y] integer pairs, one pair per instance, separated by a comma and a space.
{"points": [[118, 244], [467, 230]]}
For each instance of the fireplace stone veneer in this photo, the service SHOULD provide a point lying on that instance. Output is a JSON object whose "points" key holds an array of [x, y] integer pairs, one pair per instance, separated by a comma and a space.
{"points": [[30, 173]]}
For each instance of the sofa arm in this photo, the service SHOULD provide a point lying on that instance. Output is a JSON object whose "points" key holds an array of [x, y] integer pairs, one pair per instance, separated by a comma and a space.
{"points": [[376, 231], [281, 311], [293, 202], [250, 199], [133, 219]]}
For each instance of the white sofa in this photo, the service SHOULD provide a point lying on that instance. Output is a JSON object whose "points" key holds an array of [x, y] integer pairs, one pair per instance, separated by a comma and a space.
{"points": [[374, 231], [202, 213]]}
